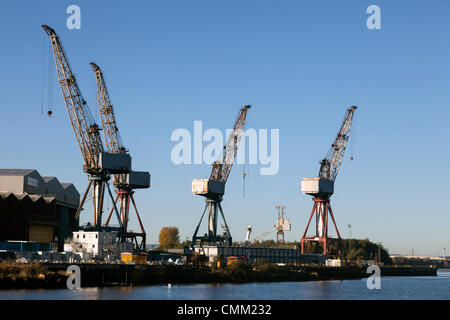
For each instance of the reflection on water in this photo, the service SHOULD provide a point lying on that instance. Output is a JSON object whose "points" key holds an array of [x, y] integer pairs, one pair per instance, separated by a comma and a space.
{"points": [[397, 288]]}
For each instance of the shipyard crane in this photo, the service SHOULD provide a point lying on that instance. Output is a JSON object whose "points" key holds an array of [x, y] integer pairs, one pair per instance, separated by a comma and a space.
{"points": [[213, 188], [98, 164], [124, 183], [281, 226], [321, 188]]}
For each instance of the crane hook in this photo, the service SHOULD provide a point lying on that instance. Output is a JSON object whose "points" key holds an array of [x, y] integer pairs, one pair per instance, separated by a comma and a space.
{"points": [[243, 186]]}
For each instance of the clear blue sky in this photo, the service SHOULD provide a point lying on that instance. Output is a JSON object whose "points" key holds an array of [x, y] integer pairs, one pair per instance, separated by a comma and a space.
{"points": [[299, 63]]}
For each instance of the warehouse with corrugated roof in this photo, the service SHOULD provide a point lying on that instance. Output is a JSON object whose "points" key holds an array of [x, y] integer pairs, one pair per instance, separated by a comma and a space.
{"points": [[36, 208]]}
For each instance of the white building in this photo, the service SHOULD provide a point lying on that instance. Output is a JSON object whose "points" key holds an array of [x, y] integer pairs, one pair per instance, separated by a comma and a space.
{"points": [[333, 263], [97, 244]]}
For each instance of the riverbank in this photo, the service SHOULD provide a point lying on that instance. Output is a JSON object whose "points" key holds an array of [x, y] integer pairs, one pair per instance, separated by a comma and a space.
{"points": [[14, 275], [17, 275]]}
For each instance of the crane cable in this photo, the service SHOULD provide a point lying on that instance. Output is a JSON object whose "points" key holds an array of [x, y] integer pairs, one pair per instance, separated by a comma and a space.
{"points": [[353, 140], [47, 60], [50, 80], [43, 74], [244, 175], [245, 167]]}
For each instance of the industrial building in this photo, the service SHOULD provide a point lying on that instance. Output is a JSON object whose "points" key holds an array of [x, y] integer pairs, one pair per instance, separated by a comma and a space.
{"points": [[97, 244], [258, 254], [35, 208]]}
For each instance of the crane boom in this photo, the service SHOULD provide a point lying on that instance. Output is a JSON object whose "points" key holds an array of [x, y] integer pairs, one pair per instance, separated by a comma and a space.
{"points": [[83, 124], [113, 140], [329, 167], [221, 170], [263, 235]]}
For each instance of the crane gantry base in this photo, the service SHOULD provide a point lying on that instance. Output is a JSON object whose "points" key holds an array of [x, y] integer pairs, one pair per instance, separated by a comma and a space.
{"points": [[321, 210], [213, 206], [125, 198], [97, 182]]}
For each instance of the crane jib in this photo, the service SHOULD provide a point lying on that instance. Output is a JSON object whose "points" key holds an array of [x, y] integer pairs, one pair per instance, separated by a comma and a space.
{"points": [[329, 167], [221, 170], [85, 129], [111, 132]]}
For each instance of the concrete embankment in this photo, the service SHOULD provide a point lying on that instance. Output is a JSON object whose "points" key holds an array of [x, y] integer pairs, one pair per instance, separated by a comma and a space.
{"points": [[117, 275], [335, 273], [408, 271], [326, 273], [100, 275], [107, 275]]}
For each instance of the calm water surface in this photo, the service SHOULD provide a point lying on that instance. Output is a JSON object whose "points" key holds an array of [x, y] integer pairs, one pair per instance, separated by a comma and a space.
{"points": [[435, 288]]}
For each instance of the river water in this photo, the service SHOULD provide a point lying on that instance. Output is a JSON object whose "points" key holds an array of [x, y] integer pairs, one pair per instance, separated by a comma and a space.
{"points": [[392, 288]]}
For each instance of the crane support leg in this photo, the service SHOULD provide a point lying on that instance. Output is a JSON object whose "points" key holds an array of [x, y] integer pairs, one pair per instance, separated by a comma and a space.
{"points": [[80, 207], [309, 221], [98, 195], [112, 209], [137, 214], [194, 237], [143, 233], [124, 206], [228, 235], [334, 222], [212, 218]]}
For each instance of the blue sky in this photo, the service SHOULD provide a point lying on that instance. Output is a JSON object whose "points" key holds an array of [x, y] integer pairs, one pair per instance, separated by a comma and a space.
{"points": [[300, 64]]}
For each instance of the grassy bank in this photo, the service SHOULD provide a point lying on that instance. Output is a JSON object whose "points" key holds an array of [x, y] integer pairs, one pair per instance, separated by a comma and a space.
{"points": [[14, 275]]}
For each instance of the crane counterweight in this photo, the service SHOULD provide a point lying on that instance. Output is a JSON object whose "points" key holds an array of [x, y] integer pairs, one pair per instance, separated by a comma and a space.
{"points": [[208, 188], [317, 186]]}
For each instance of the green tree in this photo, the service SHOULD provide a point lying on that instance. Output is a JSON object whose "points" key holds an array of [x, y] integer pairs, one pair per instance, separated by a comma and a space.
{"points": [[169, 237]]}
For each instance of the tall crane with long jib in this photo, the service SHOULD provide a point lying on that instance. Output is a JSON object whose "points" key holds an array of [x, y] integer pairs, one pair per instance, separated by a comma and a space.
{"points": [[124, 183], [322, 187], [98, 164], [214, 187]]}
